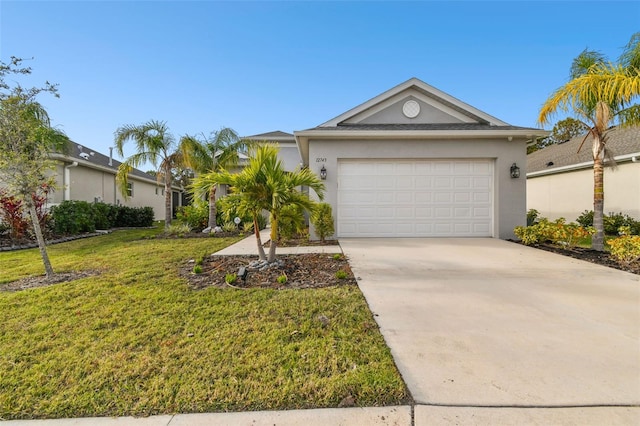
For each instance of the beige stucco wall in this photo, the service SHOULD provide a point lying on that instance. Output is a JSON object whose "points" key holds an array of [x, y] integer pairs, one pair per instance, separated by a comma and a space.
{"points": [[509, 194], [571, 193], [86, 184]]}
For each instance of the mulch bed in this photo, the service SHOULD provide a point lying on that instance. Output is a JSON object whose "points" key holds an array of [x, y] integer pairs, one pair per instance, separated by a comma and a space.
{"points": [[597, 257], [41, 280], [302, 271]]}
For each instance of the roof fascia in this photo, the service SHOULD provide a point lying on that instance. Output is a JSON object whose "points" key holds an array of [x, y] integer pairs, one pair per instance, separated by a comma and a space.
{"points": [[302, 137]]}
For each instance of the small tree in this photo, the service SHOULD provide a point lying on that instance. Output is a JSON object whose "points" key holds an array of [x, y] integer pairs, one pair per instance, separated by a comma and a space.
{"points": [[26, 141], [562, 131], [322, 219]]}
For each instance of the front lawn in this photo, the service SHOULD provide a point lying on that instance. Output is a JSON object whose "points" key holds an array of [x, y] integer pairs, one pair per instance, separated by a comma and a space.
{"points": [[136, 340]]}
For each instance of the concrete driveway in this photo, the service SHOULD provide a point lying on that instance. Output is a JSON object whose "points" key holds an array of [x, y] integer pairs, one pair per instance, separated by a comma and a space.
{"points": [[489, 323]]}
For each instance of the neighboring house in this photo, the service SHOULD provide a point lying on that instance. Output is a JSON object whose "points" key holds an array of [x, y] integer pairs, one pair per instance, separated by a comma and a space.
{"points": [[417, 162], [560, 177], [86, 175], [289, 153]]}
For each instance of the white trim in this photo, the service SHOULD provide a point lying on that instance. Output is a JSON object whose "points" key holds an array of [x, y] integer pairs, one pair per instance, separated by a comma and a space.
{"points": [[578, 166]]}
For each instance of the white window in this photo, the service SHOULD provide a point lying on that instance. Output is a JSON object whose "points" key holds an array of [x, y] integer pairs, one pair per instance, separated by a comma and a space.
{"points": [[130, 189]]}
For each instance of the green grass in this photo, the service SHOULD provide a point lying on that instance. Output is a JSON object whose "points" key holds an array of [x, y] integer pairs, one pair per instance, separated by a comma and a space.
{"points": [[135, 340]]}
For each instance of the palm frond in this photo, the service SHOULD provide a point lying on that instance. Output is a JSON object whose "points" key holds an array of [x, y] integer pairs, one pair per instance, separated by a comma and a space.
{"points": [[630, 57]]}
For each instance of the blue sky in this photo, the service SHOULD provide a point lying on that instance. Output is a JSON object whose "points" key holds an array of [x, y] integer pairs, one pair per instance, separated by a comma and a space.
{"points": [[290, 65]]}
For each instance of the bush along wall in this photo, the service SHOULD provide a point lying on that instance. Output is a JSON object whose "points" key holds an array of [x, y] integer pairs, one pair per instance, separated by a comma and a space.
{"points": [[75, 217]]}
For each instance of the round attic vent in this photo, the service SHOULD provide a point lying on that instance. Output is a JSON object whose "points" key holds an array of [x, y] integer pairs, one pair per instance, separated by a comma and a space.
{"points": [[411, 109]]}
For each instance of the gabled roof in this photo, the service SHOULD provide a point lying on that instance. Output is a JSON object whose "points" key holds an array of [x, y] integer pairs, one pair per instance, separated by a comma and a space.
{"points": [[413, 110], [436, 98], [622, 143], [276, 136]]}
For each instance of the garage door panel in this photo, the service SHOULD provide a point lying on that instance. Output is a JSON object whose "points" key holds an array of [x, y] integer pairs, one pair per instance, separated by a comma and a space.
{"points": [[404, 197], [385, 213], [442, 197], [441, 182], [462, 213], [410, 198]]}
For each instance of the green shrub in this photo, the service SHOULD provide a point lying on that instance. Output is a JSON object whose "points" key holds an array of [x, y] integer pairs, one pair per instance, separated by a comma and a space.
{"points": [[197, 269], [282, 279], [532, 217], [178, 229], [626, 248], [104, 215], [73, 217], [247, 226], [322, 220], [341, 275], [337, 256], [230, 278], [291, 222], [612, 222], [195, 215], [586, 218], [134, 216], [229, 227]]}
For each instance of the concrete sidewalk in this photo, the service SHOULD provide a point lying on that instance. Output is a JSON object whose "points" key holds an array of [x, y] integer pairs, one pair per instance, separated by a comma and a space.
{"points": [[374, 416], [248, 246]]}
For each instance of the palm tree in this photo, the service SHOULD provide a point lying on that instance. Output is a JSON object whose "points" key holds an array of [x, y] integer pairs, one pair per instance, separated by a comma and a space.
{"points": [[215, 154], [264, 185], [599, 94], [153, 143]]}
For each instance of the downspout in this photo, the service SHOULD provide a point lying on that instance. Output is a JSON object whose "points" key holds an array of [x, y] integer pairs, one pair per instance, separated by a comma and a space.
{"points": [[67, 180]]}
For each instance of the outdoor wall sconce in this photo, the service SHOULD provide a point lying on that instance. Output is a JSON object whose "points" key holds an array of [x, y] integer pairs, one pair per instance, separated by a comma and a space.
{"points": [[323, 173], [515, 171]]}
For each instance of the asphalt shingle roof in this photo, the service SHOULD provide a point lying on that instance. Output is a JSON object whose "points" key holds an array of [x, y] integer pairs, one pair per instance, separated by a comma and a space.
{"points": [[620, 142], [274, 134], [99, 159]]}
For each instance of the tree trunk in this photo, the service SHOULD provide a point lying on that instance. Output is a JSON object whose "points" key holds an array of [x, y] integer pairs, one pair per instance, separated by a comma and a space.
{"points": [[597, 241], [212, 207], [48, 269], [168, 197], [256, 230], [274, 239]]}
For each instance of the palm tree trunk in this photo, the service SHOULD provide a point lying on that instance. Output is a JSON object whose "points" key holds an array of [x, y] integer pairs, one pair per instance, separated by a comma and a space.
{"points": [[48, 269], [274, 239], [597, 241], [256, 230], [212, 207]]}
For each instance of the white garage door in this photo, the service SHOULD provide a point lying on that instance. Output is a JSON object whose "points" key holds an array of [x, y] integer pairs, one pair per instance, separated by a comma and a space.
{"points": [[415, 198]]}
